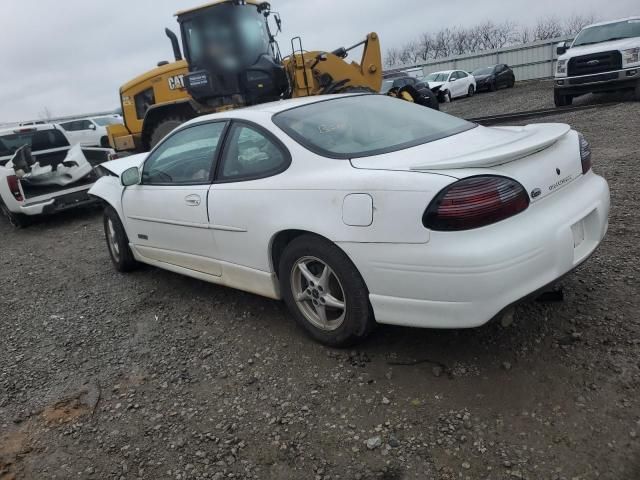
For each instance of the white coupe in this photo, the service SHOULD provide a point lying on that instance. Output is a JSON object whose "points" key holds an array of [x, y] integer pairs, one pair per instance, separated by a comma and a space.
{"points": [[360, 209]]}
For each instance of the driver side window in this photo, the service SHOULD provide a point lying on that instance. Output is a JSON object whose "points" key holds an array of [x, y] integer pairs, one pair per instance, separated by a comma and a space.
{"points": [[185, 158]]}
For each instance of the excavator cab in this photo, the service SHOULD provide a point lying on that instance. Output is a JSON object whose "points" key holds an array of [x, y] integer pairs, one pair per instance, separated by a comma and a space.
{"points": [[232, 55]]}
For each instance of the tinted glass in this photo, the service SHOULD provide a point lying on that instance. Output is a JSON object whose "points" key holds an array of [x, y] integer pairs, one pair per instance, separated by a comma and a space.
{"points": [[483, 71], [363, 125], [68, 126], [104, 121], [37, 140], [462, 74], [143, 101], [251, 154], [184, 158], [611, 31]]}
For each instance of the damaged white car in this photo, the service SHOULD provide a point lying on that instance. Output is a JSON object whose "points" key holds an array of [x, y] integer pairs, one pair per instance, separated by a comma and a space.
{"points": [[360, 209], [40, 173]]}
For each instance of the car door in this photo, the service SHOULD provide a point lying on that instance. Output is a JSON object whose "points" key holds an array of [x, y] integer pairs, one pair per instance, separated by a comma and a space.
{"points": [[70, 129], [251, 159], [166, 214], [454, 85], [85, 132]]}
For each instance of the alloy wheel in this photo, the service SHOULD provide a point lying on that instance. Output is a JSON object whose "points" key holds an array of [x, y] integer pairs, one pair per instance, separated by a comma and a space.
{"points": [[318, 293], [112, 239]]}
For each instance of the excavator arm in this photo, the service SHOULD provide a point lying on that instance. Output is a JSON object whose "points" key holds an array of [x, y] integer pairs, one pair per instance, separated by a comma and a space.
{"points": [[318, 73]]}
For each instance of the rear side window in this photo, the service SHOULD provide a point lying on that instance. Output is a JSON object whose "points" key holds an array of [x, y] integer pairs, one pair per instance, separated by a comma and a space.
{"points": [[143, 101], [365, 125], [37, 140], [250, 154]]}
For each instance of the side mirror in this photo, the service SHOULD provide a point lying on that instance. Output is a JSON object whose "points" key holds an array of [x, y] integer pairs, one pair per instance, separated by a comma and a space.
{"points": [[562, 48], [130, 176], [92, 126]]}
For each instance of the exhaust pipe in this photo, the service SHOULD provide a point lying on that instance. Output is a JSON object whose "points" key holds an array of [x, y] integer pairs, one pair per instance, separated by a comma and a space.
{"points": [[177, 53]]}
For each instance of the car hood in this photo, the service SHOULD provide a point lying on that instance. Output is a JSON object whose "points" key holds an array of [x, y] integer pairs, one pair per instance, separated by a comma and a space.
{"points": [[118, 166], [601, 47], [435, 84], [475, 148]]}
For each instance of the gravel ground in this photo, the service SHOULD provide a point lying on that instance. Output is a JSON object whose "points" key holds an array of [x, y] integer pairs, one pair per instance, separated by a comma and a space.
{"points": [[153, 375], [532, 95]]}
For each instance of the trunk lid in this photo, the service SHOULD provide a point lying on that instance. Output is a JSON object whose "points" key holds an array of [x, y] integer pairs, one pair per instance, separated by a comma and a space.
{"points": [[543, 157]]}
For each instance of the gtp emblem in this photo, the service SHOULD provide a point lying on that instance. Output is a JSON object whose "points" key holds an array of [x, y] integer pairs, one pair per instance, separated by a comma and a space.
{"points": [[535, 193]]}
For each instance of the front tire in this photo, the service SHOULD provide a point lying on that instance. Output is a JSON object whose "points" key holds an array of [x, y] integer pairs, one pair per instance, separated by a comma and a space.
{"points": [[118, 242], [325, 292], [562, 100]]}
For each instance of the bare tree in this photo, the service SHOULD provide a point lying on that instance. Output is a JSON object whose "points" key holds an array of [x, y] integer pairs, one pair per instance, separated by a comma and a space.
{"points": [[547, 28], [45, 114], [487, 35], [577, 22]]}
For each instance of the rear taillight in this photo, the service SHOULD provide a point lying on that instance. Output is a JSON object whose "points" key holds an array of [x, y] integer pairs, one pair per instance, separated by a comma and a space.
{"points": [[585, 154], [475, 202], [14, 187]]}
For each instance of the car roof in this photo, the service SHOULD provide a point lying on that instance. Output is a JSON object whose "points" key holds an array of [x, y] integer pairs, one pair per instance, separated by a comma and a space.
{"points": [[612, 21], [28, 128], [271, 108], [443, 71]]}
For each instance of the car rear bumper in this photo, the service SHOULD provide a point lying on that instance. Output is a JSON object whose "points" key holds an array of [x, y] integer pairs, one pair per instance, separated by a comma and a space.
{"points": [[58, 204], [598, 82], [464, 279]]}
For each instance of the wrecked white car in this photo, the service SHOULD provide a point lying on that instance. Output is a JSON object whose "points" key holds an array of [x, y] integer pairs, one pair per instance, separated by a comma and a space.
{"points": [[40, 173]]}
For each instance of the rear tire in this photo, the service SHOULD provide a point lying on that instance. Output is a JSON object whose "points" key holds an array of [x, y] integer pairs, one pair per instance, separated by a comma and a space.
{"points": [[636, 93], [325, 292], [164, 128], [471, 91], [118, 242], [562, 100], [18, 220]]}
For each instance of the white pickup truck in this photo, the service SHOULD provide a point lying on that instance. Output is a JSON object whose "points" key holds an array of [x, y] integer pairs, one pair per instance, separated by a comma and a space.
{"points": [[41, 173], [604, 57]]}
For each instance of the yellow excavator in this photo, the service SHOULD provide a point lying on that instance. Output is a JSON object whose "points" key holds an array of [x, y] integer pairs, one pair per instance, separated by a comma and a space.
{"points": [[231, 60]]}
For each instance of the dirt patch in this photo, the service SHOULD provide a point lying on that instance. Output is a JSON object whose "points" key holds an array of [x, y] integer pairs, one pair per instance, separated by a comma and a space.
{"points": [[12, 445]]}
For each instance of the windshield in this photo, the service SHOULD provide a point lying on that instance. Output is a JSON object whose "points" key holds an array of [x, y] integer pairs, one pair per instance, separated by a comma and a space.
{"points": [[365, 125], [104, 121], [36, 139], [386, 86], [611, 31], [483, 71], [437, 77], [229, 37]]}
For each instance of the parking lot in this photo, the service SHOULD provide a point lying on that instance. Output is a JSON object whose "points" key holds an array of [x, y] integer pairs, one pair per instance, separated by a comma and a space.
{"points": [[155, 375]]}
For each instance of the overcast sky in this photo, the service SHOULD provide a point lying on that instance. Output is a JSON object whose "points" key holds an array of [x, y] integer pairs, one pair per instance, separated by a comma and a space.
{"points": [[71, 56]]}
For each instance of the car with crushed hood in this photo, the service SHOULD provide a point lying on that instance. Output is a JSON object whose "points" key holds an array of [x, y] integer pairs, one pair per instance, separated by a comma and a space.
{"points": [[41, 173], [360, 209], [450, 84]]}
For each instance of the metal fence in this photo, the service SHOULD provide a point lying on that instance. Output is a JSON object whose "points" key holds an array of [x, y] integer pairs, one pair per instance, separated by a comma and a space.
{"points": [[528, 61]]}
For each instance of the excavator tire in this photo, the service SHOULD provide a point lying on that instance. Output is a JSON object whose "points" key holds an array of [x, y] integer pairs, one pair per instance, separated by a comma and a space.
{"points": [[424, 97], [164, 128]]}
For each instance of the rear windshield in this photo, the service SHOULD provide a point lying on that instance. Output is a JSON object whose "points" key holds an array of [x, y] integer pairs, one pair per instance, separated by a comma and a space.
{"points": [[36, 139], [365, 125], [608, 32]]}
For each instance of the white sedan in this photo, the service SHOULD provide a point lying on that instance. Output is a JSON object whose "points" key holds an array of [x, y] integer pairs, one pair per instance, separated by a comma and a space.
{"points": [[450, 84], [360, 209]]}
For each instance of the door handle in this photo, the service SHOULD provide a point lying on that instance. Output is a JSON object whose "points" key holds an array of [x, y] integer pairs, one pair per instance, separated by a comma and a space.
{"points": [[192, 200]]}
